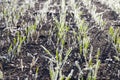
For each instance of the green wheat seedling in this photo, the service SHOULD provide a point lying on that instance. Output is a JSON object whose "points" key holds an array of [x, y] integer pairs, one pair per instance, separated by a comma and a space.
{"points": [[20, 39], [62, 32], [82, 28], [111, 31], [30, 32], [115, 38], [115, 35], [59, 61], [70, 75], [62, 28], [80, 76], [84, 40], [84, 44], [36, 73], [93, 67], [97, 65], [15, 48]]}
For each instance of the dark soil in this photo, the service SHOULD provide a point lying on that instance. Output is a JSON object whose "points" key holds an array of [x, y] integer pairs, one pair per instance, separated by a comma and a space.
{"points": [[109, 67]]}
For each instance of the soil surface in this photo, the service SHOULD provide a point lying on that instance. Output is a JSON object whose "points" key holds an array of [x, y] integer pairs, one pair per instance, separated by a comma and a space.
{"points": [[32, 50]]}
